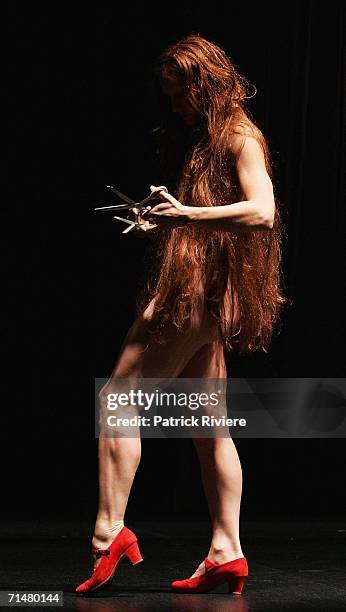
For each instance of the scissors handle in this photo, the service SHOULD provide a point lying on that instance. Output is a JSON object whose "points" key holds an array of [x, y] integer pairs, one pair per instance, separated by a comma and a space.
{"points": [[152, 195]]}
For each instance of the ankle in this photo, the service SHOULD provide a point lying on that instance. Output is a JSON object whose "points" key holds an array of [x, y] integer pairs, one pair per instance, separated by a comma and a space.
{"points": [[108, 520], [224, 550], [106, 529]]}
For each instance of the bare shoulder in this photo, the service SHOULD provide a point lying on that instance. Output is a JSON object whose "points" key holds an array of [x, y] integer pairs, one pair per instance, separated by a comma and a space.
{"points": [[246, 144]]}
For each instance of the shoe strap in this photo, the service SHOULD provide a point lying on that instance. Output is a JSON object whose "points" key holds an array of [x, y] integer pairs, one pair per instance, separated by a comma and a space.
{"points": [[99, 552], [209, 564]]}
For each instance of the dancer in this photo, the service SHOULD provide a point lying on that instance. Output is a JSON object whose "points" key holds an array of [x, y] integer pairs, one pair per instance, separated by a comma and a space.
{"points": [[215, 283]]}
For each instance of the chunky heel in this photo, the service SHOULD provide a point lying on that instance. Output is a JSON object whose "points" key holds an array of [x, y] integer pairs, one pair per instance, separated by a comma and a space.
{"points": [[110, 557], [235, 586], [133, 553], [233, 573]]}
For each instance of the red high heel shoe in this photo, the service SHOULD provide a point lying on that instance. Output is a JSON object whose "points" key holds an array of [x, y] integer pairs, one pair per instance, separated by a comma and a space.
{"points": [[234, 573], [125, 544]]}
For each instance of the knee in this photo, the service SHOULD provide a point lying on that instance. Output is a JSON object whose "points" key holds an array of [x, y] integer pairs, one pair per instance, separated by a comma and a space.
{"points": [[118, 420], [103, 396], [108, 395]]}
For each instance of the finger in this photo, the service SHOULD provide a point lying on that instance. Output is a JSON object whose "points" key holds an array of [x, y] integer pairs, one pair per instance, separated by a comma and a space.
{"points": [[167, 197], [146, 223], [162, 189], [148, 228], [160, 207], [152, 187], [163, 196]]}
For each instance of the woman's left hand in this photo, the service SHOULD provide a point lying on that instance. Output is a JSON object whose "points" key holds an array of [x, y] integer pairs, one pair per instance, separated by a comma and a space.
{"points": [[170, 212]]}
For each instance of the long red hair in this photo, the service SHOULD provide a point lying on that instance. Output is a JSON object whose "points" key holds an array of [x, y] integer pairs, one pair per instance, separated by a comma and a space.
{"points": [[199, 167]]}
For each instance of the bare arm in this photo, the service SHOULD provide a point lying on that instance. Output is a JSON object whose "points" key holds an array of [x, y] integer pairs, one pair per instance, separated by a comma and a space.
{"points": [[256, 212]]}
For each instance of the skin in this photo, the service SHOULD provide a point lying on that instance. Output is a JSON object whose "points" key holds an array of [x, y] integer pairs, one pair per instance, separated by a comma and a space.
{"points": [[202, 356], [180, 102], [192, 354], [254, 213]]}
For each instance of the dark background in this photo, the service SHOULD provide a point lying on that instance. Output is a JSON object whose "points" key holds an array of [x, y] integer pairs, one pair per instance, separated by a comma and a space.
{"points": [[84, 106]]}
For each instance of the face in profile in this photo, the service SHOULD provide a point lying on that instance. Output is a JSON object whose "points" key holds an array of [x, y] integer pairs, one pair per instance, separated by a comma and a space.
{"points": [[172, 87]]}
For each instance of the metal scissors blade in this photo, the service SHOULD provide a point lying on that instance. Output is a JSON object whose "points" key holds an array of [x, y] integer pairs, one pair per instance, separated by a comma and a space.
{"points": [[121, 195], [115, 207], [131, 224], [124, 220], [128, 229]]}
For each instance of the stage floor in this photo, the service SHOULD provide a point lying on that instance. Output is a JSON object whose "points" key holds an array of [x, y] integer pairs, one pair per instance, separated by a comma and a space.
{"points": [[293, 565]]}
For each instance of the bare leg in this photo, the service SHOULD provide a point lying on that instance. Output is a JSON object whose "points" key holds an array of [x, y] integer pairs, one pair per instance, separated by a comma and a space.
{"points": [[118, 462], [220, 468], [222, 481], [140, 357]]}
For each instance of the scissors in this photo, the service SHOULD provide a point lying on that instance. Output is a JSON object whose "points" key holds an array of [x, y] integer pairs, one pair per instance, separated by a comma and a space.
{"points": [[141, 206]]}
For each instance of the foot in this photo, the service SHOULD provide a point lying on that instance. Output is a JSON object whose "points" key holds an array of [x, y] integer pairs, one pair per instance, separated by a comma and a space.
{"points": [[103, 537], [220, 555]]}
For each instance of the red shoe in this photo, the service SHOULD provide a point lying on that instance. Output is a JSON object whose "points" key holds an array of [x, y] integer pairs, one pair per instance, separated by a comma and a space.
{"points": [[232, 572], [125, 544]]}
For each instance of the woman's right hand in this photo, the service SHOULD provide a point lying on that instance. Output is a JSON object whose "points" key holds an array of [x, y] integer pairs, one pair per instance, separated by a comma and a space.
{"points": [[145, 228]]}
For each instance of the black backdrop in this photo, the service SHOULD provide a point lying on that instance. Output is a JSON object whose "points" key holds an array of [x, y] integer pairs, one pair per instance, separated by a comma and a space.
{"points": [[84, 106]]}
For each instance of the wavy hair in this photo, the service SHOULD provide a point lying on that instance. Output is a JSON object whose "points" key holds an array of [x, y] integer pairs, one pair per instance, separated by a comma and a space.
{"points": [[189, 264]]}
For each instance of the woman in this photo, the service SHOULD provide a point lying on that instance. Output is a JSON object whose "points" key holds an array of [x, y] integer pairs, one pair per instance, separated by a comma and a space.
{"points": [[215, 283]]}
